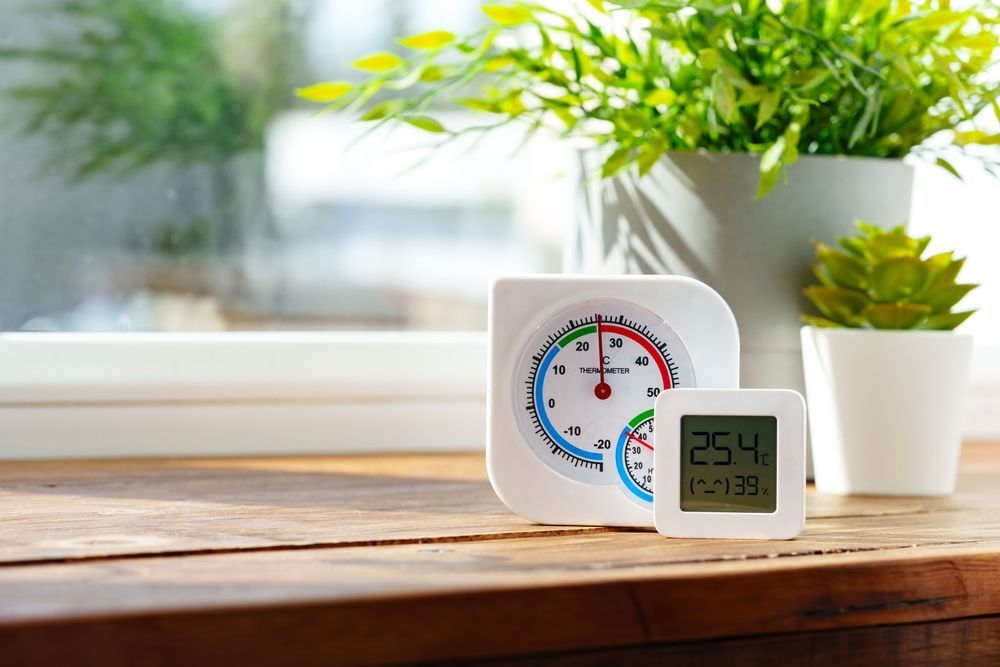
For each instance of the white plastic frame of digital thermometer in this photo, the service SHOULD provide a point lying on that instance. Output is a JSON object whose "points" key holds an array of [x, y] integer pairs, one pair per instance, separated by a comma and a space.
{"points": [[787, 407], [517, 307]]}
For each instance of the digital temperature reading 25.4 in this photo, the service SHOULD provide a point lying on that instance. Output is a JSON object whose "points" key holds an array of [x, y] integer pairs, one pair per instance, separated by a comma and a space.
{"points": [[729, 463]]}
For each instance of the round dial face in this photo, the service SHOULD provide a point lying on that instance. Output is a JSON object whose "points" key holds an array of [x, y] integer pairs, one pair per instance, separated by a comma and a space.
{"points": [[585, 374], [634, 458]]}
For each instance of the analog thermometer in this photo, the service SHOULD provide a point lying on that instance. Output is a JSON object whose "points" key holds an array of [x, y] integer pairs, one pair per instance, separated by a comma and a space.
{"points": [[576, 365]]}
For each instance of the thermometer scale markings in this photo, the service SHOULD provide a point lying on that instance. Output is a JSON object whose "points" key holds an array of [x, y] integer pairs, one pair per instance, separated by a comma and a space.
{"points": [[635, 461], [602, 327]]}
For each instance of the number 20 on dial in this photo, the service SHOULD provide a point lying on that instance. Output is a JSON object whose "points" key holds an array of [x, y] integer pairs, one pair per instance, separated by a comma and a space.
{"points": [[576, 365]]}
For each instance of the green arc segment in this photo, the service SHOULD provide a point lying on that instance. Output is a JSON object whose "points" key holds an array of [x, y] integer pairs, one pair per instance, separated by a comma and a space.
{"points": [[573, 335], [648, 414]]}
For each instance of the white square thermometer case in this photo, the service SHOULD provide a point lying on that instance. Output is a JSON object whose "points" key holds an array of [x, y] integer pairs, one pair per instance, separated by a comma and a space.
{"points": [[575, 366]]}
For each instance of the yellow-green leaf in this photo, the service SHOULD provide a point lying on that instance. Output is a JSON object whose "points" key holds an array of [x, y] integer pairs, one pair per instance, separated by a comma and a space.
{"points": [[616, 162], [382, 61], [709, 59], [382, 110], [946, 321], [506, 15], [662, 96], [435, 73], [896, 315], [598, 5], [425, 123], [724, 97], [977, 137], [944, 298], [650, 155], [842, 269], [498, 63], [435, 39], [324, 92], [768, 107], [898, 278], [840, 305]]}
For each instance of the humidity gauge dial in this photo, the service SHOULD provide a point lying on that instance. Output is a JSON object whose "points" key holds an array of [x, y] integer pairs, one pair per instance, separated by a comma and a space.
{"points": [[576, 365]]}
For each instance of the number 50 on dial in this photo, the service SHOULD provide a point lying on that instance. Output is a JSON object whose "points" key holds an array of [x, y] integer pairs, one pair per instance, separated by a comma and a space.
{"points": [[576, 365]]}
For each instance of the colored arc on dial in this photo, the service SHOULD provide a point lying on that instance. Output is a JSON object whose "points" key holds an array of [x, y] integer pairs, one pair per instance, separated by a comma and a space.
{"points": [[543, 369], [623, 439]]}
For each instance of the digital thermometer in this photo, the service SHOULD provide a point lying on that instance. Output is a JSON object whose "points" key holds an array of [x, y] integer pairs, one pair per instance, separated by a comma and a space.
{"points": [[576, 365], [730, 463]]}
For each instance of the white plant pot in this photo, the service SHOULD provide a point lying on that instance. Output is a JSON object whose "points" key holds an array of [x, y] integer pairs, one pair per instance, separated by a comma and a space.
{"points": [[694, 215], [885, 409]]}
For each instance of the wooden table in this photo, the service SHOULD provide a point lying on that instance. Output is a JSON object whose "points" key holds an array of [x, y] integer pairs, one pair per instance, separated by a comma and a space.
{"points": [[397, 559]]}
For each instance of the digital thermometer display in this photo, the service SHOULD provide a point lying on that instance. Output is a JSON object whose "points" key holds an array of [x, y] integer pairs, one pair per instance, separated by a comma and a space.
{"points": [[728, 463]]}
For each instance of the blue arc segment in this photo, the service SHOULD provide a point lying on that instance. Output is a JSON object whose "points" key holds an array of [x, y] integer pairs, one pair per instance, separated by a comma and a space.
{"points": [[544, 418], [622, 473]]}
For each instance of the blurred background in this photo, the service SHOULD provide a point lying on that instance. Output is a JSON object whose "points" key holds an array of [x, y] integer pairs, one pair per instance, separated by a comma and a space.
{"points": [[159, 175]]}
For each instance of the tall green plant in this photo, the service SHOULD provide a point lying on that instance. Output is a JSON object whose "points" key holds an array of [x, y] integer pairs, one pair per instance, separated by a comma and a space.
{"points": [[639, 77], [123, 84]]}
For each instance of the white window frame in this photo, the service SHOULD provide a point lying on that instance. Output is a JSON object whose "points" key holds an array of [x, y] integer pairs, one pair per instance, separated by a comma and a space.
{"points": [[81, 395]]}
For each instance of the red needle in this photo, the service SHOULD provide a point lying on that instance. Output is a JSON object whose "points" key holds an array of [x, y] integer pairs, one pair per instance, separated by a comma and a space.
{"points": [[603, 389], [640, 441]]}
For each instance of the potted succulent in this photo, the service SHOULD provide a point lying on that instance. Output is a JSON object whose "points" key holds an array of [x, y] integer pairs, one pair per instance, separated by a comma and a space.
{"points": [[718, 129], [885, 373]]}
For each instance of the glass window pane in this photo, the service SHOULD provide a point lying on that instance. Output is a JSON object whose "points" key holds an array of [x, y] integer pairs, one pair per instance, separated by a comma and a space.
{"points": [[159, 174]]}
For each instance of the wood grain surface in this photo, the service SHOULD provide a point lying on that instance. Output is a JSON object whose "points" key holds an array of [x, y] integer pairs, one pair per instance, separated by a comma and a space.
{"points": [[407, 559]]}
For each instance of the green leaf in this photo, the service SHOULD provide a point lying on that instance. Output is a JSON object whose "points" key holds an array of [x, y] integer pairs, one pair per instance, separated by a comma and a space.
{"points": [[947, 321], [616, 162], [376, 63], [821, 322], [709, 59], [425, 123], [853, 245], [770, 167], [947, 275], [896, 315], [942, 299], [840, 305], [890, 244], [382, 110], [724, 97], [428, 41], [507, 16], [768, 107], [650, 155], [661, 97], [949, 167], [898, 278], [324, 92], [845, 270], [435, 73]]}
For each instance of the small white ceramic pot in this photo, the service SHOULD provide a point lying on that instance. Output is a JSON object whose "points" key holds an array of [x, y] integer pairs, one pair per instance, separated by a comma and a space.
{"points": [[885, 409]]}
